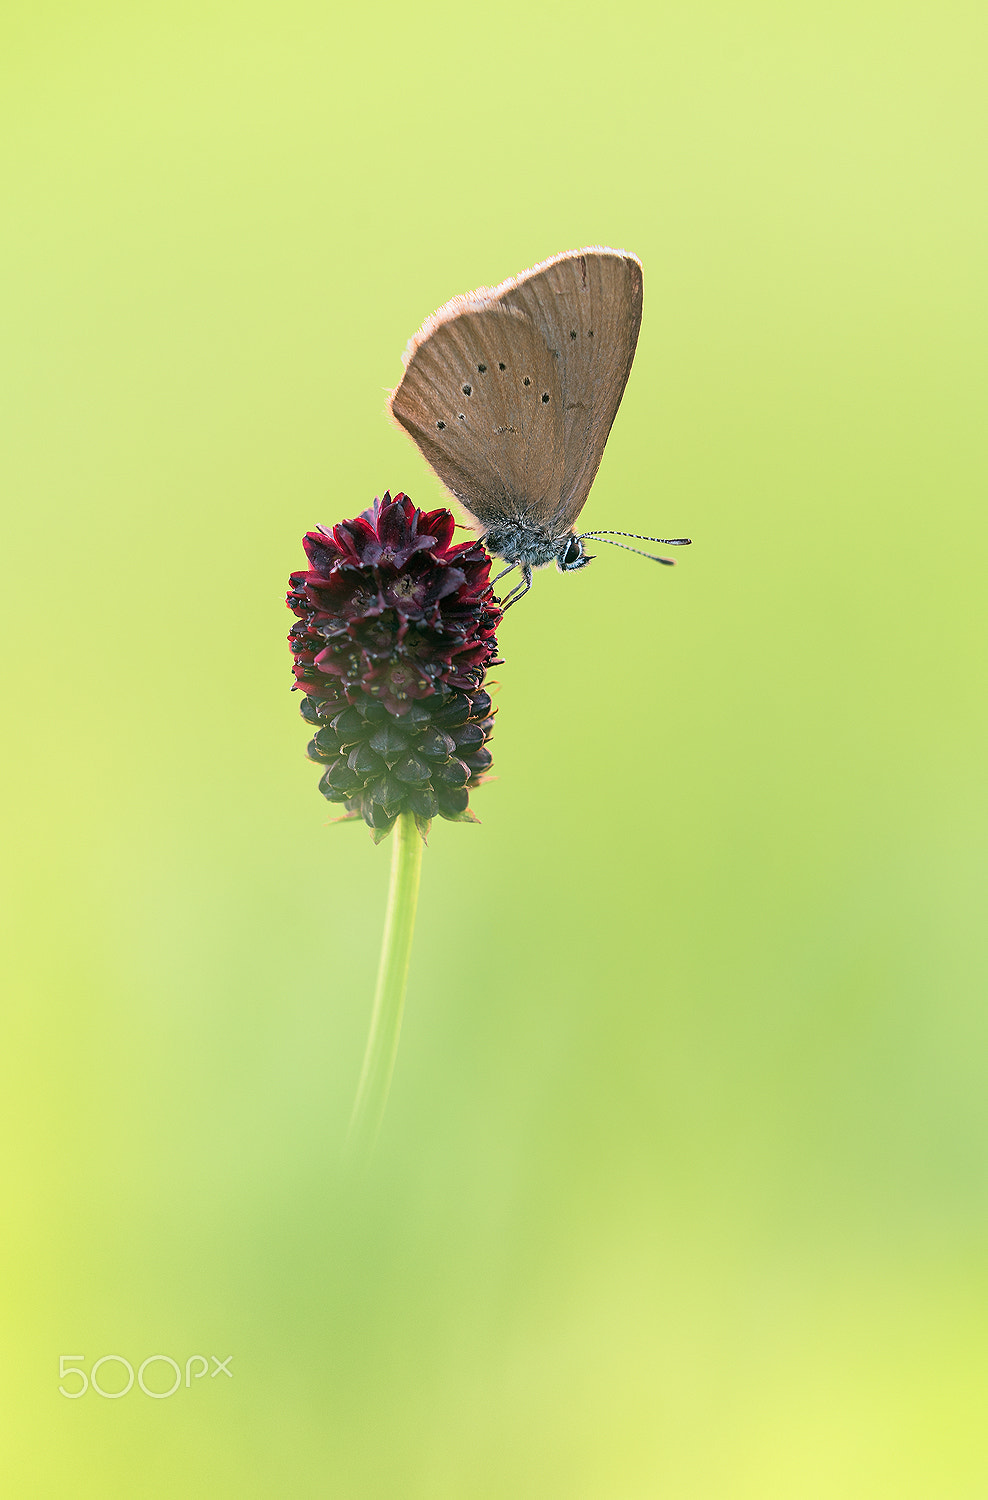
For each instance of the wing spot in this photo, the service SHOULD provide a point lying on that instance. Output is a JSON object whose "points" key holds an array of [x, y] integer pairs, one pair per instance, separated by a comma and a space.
{"points": [[527, 381], [468, 390], [545, 398], [440, 425], [481, 369]]}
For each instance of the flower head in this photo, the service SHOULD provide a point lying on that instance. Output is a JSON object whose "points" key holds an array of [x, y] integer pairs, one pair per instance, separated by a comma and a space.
{"points": [[394, 633]]}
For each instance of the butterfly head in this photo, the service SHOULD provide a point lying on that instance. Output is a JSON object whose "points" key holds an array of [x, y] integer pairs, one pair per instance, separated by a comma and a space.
{"points": [[571, 554]]}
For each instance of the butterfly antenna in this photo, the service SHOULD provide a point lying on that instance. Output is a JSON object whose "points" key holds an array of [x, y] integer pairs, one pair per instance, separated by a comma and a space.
{"points": [[624, 548], [664, 541]]}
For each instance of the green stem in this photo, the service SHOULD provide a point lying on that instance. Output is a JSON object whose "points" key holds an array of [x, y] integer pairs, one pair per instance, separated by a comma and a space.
{"points": [[389, 998]]}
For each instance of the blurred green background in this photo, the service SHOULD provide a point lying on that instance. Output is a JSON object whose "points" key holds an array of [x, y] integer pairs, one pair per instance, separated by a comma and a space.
{"points": [[683, 1189]]}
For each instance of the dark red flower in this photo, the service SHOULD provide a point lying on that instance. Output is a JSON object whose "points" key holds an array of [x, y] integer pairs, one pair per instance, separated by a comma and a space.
{"points": [[394, 633]]}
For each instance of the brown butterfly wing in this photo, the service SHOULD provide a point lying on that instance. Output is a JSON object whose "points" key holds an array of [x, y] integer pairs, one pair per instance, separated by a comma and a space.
{"points": [[481, 397], [587, 305]]}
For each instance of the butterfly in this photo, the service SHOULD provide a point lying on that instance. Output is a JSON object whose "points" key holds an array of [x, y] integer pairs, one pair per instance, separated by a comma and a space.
{"points": [[510, 393]]}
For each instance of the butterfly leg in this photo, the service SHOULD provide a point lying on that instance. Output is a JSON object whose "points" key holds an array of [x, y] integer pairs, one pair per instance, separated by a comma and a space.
{"points": [[520, 589]]}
